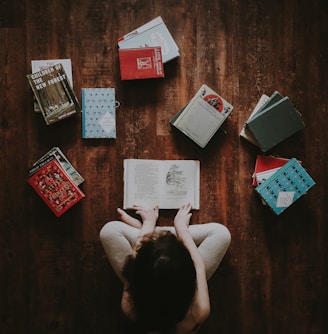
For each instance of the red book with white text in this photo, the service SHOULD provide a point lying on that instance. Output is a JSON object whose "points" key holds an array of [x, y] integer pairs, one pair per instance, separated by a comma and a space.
{"points": [[55, 187], [141, 63]]}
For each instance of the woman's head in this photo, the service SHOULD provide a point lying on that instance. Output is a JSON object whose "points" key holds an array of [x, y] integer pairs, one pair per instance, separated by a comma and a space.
{"points": [[162, 281]]}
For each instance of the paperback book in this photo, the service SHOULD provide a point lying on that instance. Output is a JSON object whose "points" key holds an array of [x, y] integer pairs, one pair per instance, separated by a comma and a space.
{"points": [[58, 154], [285, 186], [203, 116], [153, 33], [166, 183], [54, 93], [40, 65], [55, 187], [98, 113], [141, 63], [272, 122]]}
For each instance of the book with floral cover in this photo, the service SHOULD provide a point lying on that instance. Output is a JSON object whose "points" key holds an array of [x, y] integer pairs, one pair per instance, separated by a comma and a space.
{"points": [[55, 187]]}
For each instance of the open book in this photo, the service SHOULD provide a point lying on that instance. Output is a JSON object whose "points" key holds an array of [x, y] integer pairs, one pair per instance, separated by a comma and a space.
{"points": [[166, 183]]}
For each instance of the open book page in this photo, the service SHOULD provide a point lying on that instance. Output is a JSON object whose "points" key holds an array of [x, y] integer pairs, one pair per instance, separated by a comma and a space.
{"points": [[166, 183]]}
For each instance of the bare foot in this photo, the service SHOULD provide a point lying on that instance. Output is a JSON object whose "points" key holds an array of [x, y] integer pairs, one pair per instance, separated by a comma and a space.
{"points": [[127, 219]]}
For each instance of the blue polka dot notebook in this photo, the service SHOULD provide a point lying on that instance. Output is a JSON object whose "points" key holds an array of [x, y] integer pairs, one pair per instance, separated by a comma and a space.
{"points": [[98, 113], [285, 186]]}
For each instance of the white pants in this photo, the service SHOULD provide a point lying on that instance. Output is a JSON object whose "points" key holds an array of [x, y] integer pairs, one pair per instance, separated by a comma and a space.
{"points": [[212, 240]]}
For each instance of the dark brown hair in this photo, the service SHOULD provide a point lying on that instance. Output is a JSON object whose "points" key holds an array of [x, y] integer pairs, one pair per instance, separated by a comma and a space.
{"points": [[162, 281]]}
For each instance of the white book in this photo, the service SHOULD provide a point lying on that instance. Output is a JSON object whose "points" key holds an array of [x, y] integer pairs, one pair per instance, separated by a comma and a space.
{"points": [[202, 117], [153, 33], [39, 65], [166, 183]]}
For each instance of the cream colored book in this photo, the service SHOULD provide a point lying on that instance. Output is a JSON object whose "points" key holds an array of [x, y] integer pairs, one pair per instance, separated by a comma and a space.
{"points": [[203, 116], [166, 183]]}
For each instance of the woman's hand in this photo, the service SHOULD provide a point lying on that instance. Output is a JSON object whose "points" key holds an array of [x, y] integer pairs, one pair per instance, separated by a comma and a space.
{"points": [[149, 218], [148, 215], [182, 218], [127, 219]]}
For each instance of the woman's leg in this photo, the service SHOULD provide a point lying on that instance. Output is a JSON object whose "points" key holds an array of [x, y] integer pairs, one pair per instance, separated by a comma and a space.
{"points": [[212, 240], [118, 240]]}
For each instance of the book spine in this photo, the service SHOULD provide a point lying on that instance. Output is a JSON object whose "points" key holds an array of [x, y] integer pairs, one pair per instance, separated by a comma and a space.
{"points": [[83, 112]]}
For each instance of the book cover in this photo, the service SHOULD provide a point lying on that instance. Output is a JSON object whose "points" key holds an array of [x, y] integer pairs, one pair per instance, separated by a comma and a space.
{"points": [[266, 103], [245, 133], [58, 154], [265, 166], [98, 113], [40, 65], [54, 93], [285, 186], [275, 124], [202, 117], [153, 33], [141, 63], [166, 183], [55, 187]]}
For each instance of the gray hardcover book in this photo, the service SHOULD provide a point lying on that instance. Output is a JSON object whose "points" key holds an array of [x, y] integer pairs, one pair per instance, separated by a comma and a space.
{"points": [[275, 124]]}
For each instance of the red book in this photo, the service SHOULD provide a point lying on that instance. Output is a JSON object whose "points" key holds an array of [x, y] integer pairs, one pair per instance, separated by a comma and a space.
{"points": [[266, 163], [141, 63], [55, 187]]}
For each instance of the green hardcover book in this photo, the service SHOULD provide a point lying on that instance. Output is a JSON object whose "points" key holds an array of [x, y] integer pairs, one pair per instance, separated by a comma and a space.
{"points": [[275, 97], [275, 123]]}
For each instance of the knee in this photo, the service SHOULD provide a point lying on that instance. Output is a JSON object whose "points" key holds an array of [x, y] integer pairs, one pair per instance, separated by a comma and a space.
{"points": [[222, 232], [108, 229]]}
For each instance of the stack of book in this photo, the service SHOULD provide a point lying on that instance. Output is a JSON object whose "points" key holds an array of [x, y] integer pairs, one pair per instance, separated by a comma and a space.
{"points": [[40, 65], [143, 51], [273, 120], [56, 181], [280, 182], [203, 116], [54, 93]]}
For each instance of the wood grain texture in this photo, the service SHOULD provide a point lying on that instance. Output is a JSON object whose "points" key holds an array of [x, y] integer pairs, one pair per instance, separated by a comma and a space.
{"points": [[55, 277]]}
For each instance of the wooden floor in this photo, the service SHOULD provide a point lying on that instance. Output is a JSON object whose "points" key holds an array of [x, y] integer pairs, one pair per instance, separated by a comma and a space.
{"points": [[54, 276]]}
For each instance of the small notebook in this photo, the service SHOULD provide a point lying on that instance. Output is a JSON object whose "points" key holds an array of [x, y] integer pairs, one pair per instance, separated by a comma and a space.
{"points": [[285, 186], [98, 113]]}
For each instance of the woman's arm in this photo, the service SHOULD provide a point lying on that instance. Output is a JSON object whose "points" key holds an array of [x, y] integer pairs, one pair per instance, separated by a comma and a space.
{"points": [[149, 218], [200, 308]]}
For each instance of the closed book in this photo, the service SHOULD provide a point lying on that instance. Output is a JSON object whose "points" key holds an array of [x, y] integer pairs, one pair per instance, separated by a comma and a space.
{"points": [[275, 123], [285, 186], [245, 133], [39, 65], [98, 113], [55, 187], [152, 33], [203, 116], [54, 93], [58, 154], [265, 166], [141, 63]]}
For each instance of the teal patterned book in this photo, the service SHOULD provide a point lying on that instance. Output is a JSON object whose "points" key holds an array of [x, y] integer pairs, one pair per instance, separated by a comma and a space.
{"points": [[285, 186], [98, 113]]}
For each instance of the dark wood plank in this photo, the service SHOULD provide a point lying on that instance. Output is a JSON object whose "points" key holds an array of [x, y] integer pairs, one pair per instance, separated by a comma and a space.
{"points": [[55, 277]]}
